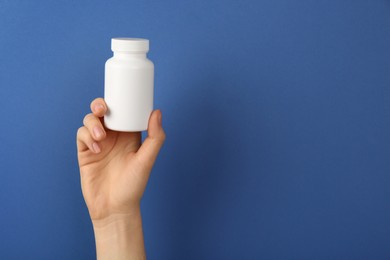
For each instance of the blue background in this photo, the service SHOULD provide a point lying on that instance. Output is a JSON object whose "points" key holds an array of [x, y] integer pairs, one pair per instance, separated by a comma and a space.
{"points": [[277, 115]]}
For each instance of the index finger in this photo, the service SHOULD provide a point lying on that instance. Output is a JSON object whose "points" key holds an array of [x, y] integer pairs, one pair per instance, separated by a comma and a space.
{"points": [[98, 107]]}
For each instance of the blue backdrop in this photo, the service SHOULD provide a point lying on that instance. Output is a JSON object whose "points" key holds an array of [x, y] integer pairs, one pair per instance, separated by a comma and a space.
{"points": [[277, 115]]}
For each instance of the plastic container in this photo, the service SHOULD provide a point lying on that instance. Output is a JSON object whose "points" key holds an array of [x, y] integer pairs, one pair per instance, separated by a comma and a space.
{"points": [[128, 85]]}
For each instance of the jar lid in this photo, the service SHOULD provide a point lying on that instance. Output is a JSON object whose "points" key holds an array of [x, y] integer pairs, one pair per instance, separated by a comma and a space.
{"points": [[130, 44]]}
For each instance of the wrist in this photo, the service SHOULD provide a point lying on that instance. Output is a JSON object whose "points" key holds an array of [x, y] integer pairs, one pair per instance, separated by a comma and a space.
{"points": [[131, 215], [119, 236]]}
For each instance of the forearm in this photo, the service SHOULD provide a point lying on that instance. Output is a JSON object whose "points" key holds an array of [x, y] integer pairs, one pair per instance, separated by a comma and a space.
{"points": [[120, 237]]}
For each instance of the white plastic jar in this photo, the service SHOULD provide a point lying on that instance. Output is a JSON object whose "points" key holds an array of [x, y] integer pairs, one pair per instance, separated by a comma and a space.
{"points": [[128, 85]]}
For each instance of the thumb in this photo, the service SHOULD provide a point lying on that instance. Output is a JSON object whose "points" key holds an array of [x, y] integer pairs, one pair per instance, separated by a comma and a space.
{"points": [[150, 148]]}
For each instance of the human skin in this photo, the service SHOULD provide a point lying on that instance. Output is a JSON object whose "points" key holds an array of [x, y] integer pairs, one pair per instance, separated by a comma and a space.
{"points": [[114, 171]]}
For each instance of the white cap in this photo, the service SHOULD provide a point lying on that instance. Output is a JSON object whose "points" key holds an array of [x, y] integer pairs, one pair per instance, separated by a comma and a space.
{"points": [[130, 44]]}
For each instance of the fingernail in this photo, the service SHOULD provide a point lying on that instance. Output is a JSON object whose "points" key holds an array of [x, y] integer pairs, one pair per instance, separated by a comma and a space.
{"points": [[98, 132], [160, 118], [96, 148], [99, 107]]}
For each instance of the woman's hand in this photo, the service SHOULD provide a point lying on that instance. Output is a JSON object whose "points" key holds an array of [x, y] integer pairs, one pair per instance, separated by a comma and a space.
{"points": [[114, 169]]}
